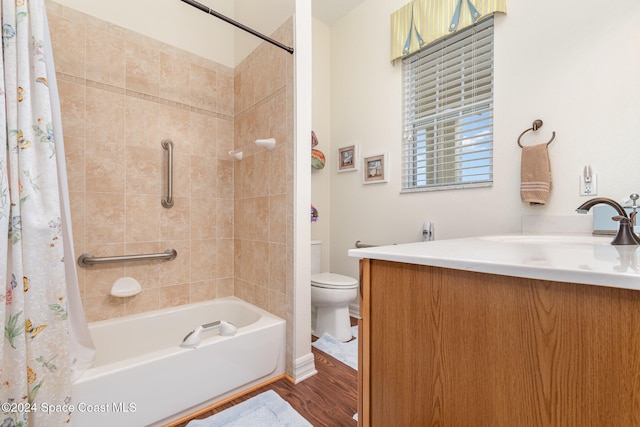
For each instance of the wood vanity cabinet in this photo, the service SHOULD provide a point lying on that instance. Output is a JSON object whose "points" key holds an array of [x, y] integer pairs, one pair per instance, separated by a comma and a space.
{"points": [[456, 348]]}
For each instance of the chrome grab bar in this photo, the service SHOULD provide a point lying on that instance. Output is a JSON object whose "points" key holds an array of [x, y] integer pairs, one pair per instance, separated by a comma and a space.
{"points": [[167, 201], [360, 245], [87, 260]]}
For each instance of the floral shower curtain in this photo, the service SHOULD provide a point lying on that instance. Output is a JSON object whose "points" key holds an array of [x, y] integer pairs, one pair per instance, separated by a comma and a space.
{"points": [[45, 336]]}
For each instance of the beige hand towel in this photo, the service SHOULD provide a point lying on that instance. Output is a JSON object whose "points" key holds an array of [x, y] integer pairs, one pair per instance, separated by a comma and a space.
{"points": [[535, 175]]}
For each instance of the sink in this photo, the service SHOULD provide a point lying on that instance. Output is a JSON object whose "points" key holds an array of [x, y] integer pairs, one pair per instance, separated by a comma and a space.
{"points": [[547, 239]]}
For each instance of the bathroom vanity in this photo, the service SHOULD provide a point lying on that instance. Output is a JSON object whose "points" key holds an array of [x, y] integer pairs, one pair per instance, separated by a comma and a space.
{"points": [[500, 331]]}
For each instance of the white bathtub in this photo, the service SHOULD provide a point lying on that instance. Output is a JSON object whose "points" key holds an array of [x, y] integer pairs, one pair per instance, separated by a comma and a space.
{"points": [[142, 376]]}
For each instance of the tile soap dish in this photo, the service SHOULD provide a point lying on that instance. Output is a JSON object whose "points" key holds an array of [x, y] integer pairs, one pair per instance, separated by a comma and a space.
{"points": [[125, 287]]}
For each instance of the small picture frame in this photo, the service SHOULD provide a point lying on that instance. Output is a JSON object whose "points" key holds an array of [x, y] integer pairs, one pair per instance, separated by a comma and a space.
{"points": [[374, 169], [348, 158]]}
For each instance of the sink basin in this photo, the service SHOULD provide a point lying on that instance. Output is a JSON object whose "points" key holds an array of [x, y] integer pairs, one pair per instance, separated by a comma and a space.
{"points": [[537, 239]]}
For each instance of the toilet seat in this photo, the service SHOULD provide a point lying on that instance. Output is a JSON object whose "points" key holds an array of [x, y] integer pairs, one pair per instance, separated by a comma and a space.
{"points": [[333, 281]]}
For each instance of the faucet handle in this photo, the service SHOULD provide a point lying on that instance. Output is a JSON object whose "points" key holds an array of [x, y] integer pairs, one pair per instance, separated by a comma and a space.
{"points": [[620, 218]]}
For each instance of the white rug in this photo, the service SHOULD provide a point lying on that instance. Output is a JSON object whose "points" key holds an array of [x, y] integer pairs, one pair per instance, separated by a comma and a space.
{"points": [[267, 409], [346, 352]]}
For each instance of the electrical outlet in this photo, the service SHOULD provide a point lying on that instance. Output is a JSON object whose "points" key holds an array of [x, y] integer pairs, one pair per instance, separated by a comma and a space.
{"points": [[588, 185]]}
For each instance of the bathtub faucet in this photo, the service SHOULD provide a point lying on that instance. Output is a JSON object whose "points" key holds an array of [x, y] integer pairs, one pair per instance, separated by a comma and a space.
{"points": [[192, 339], [625, 235]]}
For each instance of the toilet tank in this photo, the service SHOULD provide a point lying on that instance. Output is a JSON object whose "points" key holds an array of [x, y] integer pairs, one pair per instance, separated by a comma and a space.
{"points": [[316, 256]]}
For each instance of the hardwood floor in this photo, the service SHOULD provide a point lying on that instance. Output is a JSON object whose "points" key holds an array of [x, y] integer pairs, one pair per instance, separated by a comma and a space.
{"points": [[329, 398]]}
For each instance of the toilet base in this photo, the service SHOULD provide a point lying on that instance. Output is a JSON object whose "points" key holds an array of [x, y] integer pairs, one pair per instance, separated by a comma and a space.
{"points": [[335, 321]]}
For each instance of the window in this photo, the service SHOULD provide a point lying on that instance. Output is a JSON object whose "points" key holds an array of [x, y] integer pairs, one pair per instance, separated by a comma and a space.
{"points": [[448, 112]]}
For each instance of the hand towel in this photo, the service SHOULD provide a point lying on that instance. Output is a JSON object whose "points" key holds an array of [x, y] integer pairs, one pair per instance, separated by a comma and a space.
{"points": [[535, 175]]}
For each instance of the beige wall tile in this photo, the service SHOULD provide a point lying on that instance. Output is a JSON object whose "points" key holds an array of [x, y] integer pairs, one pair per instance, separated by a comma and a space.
{"points": [[231, 220], [225, 89], [224, 288], [142, 67], [105, 61], [175, 81], [77, 202], [204, 176], [143, 170], [203, 218], [175, 223], [73, 107], [225, 258], [105, 166], [147, 300], [204, 87], [142, 218], [174, 124], [105, 115], [103, 307], [202, 291], [171, 296], [105, 218], [225, 178], [68, 45], [204, 136], [147, 273], [74, 150], [203, 260], [225, 139], [177, 271], [142, 123]]}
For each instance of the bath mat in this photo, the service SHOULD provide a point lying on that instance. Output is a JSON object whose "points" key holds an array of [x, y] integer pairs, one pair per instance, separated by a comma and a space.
{"points": [[267, 409], [346, 352]]}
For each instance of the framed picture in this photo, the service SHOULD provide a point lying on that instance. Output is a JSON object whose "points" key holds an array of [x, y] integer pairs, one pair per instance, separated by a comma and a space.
{"points": [[348, 158], [374, 169]]}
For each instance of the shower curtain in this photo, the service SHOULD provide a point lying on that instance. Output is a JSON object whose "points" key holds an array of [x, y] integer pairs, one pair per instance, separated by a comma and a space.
{"points": [[46, 342]]}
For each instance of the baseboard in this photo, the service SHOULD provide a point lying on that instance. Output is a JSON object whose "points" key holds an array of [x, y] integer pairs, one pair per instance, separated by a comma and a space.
{"points": [[303, 368], [211, 406]]}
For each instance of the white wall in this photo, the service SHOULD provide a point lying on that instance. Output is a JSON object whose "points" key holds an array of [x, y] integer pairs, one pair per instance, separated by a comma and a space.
{"points": [[572, 64], [321, 124]]}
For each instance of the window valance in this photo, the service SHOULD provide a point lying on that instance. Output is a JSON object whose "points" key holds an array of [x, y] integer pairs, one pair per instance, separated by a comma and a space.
{"points": [[421, 22]]}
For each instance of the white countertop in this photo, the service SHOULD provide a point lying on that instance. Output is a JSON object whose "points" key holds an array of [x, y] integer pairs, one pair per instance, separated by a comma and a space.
{"points": [[581, 258]]}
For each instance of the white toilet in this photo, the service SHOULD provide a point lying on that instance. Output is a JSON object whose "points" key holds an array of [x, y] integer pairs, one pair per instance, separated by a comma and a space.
{"points": [[330, 297]]}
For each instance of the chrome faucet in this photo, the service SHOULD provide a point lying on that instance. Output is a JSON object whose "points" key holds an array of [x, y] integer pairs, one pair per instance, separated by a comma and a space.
{"points": [[625, 235]]}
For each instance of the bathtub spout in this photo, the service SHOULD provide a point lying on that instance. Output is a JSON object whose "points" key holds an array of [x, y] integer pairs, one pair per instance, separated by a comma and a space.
{"points": [[192, 339]]}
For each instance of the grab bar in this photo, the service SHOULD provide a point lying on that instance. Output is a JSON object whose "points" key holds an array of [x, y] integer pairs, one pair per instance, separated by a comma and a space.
{"points": [[167, 201], [192, 339], [87, 260], [360, 245]]}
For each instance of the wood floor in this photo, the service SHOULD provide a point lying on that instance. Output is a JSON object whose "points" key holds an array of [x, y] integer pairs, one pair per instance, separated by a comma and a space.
{"points": [[329, 398]]}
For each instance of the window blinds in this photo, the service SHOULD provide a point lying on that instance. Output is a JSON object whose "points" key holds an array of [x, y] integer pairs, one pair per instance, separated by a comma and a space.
{"points": [[448, 112]]}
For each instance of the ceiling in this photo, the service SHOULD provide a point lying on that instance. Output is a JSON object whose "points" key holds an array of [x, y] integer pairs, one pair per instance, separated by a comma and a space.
{"points": [[330, 11]]}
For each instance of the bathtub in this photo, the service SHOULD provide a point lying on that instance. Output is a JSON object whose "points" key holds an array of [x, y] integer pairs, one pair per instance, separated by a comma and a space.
{"points": [[142, 377]]}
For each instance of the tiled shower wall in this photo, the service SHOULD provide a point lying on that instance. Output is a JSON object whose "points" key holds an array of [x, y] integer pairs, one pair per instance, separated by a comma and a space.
{"points": [[121, 95], [264, 179]]}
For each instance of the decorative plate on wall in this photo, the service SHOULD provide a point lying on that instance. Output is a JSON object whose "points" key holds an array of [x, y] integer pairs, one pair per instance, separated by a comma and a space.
{"points": [[317, 159], [317, 156]]}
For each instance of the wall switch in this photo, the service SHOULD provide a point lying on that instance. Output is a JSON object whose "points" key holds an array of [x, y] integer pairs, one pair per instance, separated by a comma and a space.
{"points": [[588, 182]]}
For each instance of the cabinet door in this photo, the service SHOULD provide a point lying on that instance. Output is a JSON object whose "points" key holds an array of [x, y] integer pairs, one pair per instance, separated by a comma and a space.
{"points": [[458, 348]]}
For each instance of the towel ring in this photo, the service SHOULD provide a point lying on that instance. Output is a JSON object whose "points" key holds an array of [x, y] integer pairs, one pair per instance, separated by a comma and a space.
{"points": [[537, 124]]}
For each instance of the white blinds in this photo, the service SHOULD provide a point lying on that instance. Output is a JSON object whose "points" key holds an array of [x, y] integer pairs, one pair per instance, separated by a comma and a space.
{"points": [[448, 116]]}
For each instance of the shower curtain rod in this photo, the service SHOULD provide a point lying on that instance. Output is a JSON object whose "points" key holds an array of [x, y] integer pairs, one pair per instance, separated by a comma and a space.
{"points": [[237, 24]]}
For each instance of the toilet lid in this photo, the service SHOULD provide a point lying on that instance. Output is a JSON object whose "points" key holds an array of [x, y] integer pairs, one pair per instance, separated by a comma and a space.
{"points": [[333, 281]]}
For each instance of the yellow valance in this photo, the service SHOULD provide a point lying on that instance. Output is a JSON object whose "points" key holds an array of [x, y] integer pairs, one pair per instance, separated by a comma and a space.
{"points": [[421, 22]]}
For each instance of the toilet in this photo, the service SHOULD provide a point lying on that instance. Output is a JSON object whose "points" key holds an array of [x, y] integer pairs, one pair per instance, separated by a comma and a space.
{"points": [[330, 297]]}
